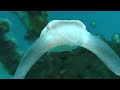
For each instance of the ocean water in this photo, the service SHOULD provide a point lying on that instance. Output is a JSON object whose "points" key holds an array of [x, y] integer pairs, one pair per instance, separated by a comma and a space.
{"points": [[106, 23]]}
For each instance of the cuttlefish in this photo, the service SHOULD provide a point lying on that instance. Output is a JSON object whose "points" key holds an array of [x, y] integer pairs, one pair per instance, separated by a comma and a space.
{"points": [[67, 35]]}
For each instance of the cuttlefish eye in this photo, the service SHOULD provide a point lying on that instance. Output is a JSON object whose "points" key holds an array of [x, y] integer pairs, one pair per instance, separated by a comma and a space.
{"points": [[49, 27], [68, 33]]}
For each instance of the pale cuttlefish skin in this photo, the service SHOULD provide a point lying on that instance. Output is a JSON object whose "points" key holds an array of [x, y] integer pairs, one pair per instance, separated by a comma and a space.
{"points": [[66, 35]]}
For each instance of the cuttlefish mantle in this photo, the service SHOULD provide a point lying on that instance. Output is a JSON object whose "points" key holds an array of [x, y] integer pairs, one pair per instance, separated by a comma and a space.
{"points": [[67, 35]]}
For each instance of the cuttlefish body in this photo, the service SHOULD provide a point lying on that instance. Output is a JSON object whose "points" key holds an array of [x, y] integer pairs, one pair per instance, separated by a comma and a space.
{"points": [[66, 35]]}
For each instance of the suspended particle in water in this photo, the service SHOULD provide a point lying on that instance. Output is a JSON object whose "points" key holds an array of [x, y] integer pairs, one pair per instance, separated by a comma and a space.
{"points": [[93, 24]]}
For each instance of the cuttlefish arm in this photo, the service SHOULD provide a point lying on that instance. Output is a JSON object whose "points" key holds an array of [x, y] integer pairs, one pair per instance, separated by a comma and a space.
{"points": [[102, 50], [39, 47]]}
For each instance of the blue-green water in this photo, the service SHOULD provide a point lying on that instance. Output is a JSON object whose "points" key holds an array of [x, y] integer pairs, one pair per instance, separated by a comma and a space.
{"points": [[107, 23]]}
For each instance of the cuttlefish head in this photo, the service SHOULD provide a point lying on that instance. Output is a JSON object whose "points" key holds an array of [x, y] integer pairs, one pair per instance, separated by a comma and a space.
{"points": [[59, 31], [58, 23]]}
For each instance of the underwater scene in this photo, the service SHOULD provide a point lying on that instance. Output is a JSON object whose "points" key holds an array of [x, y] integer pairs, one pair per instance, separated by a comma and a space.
{"points": [[59, 44]]}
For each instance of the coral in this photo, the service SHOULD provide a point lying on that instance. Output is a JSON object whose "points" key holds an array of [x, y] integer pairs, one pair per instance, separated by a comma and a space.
{"points": [[9, 54], [35, 22], [5, 26]]}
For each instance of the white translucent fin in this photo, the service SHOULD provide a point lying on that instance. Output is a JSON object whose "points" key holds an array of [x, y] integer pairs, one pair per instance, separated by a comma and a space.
{"points": [[103, 51], [72, 33], [38, 48]]}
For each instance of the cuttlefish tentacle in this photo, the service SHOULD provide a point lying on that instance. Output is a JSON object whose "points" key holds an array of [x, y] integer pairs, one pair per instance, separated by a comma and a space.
{"points": [[72, 33], [42, 45], [29, 59], [38, 48], [102, 50]]}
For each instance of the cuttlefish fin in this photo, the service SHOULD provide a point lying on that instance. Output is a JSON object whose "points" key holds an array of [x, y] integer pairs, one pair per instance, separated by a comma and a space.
{"points": [[103, 51], [33, 54]]}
